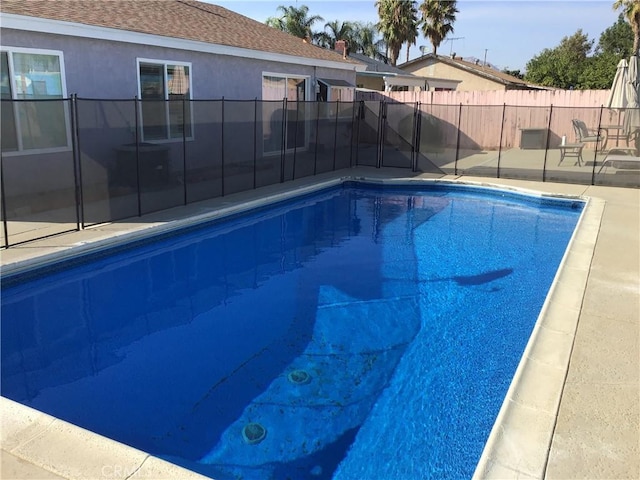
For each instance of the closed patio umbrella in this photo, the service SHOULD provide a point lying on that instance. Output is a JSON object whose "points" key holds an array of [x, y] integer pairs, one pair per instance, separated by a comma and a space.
{"points": [[618, 94], [632, 94]]}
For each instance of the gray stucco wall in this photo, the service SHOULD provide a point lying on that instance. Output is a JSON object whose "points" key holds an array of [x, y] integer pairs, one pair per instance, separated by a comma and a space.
{"points": [[105, 69]]}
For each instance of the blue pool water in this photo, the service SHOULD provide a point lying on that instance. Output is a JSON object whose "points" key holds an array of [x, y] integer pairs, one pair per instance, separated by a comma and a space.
{"points": [[355, 333]]}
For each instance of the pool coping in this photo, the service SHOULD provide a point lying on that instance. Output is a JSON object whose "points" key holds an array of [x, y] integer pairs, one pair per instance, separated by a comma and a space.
{"points": [[518, 444]]}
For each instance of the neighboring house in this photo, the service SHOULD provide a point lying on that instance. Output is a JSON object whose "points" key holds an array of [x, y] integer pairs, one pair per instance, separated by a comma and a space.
{"points": [[382, 77], [470, 75]]}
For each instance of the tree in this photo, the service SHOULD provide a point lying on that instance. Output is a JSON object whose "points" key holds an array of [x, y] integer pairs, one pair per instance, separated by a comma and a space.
{"points": [[631, 10], [562, 66], [295, 21], [615, 42], [412, 28], [336, 30], [398, 23], [366, 41], [617, 39], [513, 73], [598, 72], [438, 17]]}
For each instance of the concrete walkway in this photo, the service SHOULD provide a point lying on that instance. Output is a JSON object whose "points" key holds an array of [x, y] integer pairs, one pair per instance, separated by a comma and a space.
{"points": [[595, 434]]}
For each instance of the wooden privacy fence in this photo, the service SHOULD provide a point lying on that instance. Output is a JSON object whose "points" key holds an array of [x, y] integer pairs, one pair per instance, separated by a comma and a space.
{"points": [[489, 120]]}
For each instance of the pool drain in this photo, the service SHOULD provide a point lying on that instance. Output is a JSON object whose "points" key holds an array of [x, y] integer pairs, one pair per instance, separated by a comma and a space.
{"points": [[253, 433], [299, 377]]}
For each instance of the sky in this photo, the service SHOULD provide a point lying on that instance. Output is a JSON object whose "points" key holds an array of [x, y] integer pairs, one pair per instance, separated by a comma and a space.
{"points": [[507, 33]]}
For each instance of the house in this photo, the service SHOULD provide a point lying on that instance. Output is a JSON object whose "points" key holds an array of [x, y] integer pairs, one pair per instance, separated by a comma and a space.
{"points": [[382, 77], [127, 48], [216, 90], [470, 75]]}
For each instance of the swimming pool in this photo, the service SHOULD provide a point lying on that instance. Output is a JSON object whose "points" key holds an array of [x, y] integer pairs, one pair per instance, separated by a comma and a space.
{"points": [[444, 268]]}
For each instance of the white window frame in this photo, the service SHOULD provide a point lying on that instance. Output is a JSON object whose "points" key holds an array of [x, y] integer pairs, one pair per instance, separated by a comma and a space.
{"points": [[307, 93], [164, 64], [16, 115]]}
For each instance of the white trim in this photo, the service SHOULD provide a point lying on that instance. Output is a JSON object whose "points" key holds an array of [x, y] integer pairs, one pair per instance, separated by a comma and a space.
{"points": [[307, 94], [164, 64], [36, 51], [57, 27], [286, 76], [9, 50]]}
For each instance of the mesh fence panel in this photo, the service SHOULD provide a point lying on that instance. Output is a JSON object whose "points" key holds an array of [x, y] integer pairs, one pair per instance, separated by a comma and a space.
{"points": [[203, 176], [479, 148], [239, 146], [38, 170], [399, 123], [271, 142], [438, 138], [367, 133], [107, 145], [344, 135]]}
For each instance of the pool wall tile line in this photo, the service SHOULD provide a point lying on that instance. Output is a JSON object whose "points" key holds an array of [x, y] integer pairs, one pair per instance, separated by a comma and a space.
{"points": [[73, 452], [521, 437]]}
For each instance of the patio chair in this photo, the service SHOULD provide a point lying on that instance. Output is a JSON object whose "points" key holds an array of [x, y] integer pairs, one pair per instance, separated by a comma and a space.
{"points": [[584, 134]]}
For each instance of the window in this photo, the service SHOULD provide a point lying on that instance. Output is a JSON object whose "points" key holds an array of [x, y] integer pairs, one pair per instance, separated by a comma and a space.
{"points": [[294, 89], [165, 88], [33, 125], [332, 90]]}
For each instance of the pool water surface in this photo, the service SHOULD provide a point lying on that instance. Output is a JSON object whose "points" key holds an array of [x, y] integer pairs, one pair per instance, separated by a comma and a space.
{"points": [[358, 332]]}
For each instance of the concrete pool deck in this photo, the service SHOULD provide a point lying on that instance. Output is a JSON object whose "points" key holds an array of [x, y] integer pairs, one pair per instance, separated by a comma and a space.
{"points": [[573, 411]]}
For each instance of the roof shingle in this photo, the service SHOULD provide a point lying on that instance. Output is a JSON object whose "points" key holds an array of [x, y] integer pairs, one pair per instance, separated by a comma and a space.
{"points": [[183, 19]]}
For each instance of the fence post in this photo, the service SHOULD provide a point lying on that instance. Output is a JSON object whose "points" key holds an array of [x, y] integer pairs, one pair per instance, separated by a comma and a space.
{"points": [[283, 138], [595, 154], [255, 142], [455, 165], [77, 166], [222, 148], [184, 146], [5, 227], [361, 113], [504, 108], [546, 147], [295, 141], [414, 138], [381, 115], [315, 151], [137, 112], [335, 135], [353, 121]]}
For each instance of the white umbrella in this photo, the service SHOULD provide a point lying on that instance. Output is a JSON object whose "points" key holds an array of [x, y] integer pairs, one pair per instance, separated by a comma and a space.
{"points": [[618, 94], [632, 94]]}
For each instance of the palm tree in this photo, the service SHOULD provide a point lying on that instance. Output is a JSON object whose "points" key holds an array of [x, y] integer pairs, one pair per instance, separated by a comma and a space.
{"points": [[337, 31], [366, 41], [295, 21], [438, 17], [631, 10], [412, 32], [398, 24]]}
